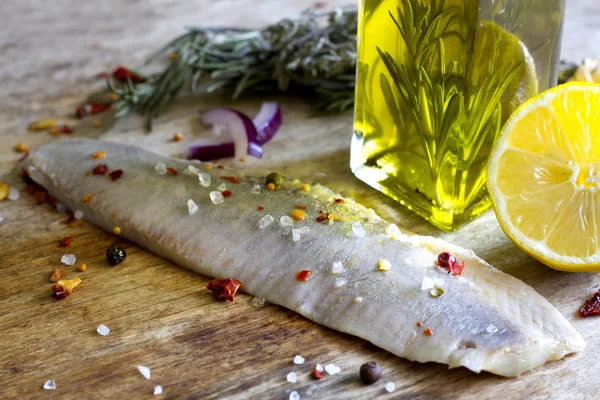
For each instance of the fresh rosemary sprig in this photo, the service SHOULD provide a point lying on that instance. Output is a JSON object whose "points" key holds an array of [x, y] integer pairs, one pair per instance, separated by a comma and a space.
{"points": [[314, 55]]}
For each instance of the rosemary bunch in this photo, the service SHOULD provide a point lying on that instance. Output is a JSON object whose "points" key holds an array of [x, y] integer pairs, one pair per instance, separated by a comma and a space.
{"points": [[314, 55]]}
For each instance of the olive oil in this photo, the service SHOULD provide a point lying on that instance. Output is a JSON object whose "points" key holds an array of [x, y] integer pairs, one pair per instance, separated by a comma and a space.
{"points": [[436, 81]]}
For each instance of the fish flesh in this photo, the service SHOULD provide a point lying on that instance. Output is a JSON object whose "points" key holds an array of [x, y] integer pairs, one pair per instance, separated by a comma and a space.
{"points": [[368, 278]]}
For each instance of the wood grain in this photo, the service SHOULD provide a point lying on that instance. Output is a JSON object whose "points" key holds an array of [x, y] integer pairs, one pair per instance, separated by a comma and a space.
{"points": [[162, 316]]}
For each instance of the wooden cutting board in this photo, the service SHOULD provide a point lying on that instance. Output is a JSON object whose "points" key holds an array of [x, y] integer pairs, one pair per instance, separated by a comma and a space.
{"points": [[162, 316]]}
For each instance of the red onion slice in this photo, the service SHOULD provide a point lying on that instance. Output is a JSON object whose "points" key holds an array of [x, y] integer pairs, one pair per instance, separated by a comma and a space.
{"points": [[267, 121]]}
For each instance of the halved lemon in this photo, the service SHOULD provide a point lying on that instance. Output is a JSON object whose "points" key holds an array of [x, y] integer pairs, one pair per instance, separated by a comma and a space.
{"points": [[544, 177]]}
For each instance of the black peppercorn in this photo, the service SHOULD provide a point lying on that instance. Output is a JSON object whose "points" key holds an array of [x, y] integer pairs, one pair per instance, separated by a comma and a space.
{"points": [[370, 372], [115, 255]]}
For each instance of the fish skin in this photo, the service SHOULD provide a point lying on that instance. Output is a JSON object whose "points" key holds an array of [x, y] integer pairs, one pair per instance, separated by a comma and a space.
{"points": [[485, 321]]}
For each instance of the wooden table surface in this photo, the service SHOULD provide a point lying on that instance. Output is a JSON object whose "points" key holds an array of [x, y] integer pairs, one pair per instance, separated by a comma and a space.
{"points": [[162, 316]]}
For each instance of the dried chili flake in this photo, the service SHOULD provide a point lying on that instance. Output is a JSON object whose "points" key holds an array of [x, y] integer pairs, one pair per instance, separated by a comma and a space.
{"points": [[74, 222], [59, 292], [100, 169], [177, 137], [116, 174], [419, 324], [99, 154], [123, 74], [303, 275], [591, 307], [301, 207], [448, 262], [220, 166], [57, 274], [40, 196], [54, 131], [428, 332], [328, 218], [316, 374], [21, 148], [87, 198], [64, 242], [80, 112], [226, 193], [319, 4], [97, 108], [224, 288], [51, 200], [66, 129], [260, 208], [230, 179], [339, 201], [173, 171], [65, 287]]}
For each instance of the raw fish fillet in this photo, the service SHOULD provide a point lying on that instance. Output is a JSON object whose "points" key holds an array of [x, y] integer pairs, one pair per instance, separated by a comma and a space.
{"points": [[485, 320]]}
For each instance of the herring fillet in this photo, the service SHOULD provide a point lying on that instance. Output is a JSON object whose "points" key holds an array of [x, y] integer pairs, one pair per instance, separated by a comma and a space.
{"points": [[485, 321]]}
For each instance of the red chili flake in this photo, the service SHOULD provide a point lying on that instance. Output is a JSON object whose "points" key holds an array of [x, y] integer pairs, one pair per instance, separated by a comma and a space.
{"points": [[448, 262], [321, 218], [301, 207], [339, 201], [121, 73], [96, 108], [220, 166], [82, 111], [100, 169], [66, 129], [173, 171], [57, 274], [321, 211], [116, 174], [303, 275], [39, 196], [59, 292], [260, 208], [51, 200], [591, 307], [316, 374], [226, 193], [30, 188], [319, 5], [224, 289], [419, 324], [64, 242], [231, 179], [428, 332]]}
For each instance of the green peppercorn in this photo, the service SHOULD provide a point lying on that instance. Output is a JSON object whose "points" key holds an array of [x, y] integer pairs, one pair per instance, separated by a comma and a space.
{"points": [[115, 255], [370, 372], [276, 179]]}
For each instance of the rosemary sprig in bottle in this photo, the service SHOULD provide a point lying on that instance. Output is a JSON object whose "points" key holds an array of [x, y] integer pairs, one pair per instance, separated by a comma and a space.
{"points": [[314, 55]]}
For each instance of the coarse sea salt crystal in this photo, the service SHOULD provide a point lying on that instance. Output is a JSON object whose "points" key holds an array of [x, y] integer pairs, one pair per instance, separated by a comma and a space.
{"points": [[192, 170], [50, 385], [103, 330], [294, 396], [332, 369], [390, 387], [258, 301], [68, 259], [491, 328], [298, 360], [204, 178], [337, 267], [216, 197], [13, 194], [222, 187], [192, 207], [144, 371], [427, 283], [78, 214], [296, 235], [266, 221], [286, 221], [291, 377], [358, 229], [161, 168], [358, 300], [394, 232], [157, 390], [319, 367], [255, 189], [339, 282]]}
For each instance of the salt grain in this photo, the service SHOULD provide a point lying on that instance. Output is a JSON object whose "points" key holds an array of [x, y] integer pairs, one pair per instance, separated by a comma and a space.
{"points": [[157, 390], [191, 170], [390, 387], [50, 385], [331, 369], [222, 187], [339, 282], [144, 371], [296, 234], [78, 214], [192, 207], [427, 283], [103, 330], [266, 221], [68, 259], [255, 189], [258, 301], [358, 229], [294, 396], [298, 360], [13, 194], [358, 300], [491, 328], [286, 221], [204, 178], [337, 267], [394, 232], [161, 168], [216, 197], [319, 367], [291, 377]]}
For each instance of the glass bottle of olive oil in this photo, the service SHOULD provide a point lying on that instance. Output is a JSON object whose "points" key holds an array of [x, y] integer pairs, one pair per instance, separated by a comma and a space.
{"points": [[437, 79]]}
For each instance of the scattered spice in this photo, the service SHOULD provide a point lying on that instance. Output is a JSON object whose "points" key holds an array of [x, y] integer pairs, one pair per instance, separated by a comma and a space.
{"points": [[100, 169], [298, 215], [316, 374], [241, 159], [231, 179], [208, 167], [260, 208], [116, 174], [115, 255], [40, 196], [87, 198], [448, 262], [74, 222], [21, 148], [97, 108], [97, 123], [66, 129], [370, 372], [64, 242], [4, 191], [303, 275], [276, 179], [99, 154], [339, 201], [428, 332], [224, 288], [591, 307], [226, 193], [305, 187], [65, 287], [328, 218], [117, 230], [220, 166], [173, 171], [42, 124], [177, 137], [419, 324], [82, 267], [54, 131], [57, 274], [123, 74], [301, 207], [271, 187]]}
